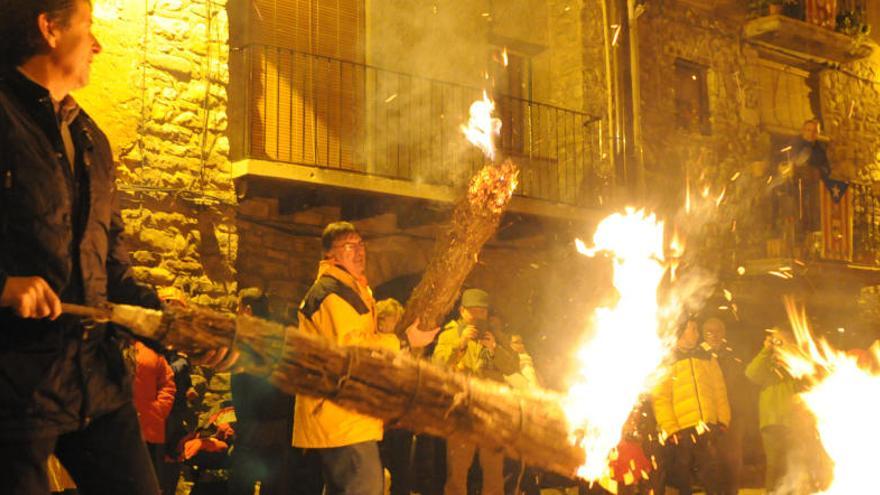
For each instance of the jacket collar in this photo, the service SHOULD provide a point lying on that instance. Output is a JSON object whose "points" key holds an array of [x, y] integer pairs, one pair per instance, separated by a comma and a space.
{"points": [[329, 268], [32, 95], [26, 90]]}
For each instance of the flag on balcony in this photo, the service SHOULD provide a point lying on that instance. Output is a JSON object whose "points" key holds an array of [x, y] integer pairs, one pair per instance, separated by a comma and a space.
{"points": [[836, 204], [837, 189]]}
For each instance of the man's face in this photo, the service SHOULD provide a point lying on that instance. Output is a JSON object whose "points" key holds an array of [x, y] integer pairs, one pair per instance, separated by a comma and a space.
{"points": [[73, 46], [474, 314], [517, 345], [350, 252], [714, 333], [810, 131]]}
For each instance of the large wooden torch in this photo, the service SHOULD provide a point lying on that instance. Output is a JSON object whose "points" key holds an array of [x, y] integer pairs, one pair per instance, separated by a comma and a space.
{"points": [[397, 388]]}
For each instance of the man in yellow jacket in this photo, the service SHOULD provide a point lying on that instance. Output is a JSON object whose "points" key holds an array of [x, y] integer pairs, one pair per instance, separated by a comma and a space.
{"points": [[340, 307], [691, 407]]}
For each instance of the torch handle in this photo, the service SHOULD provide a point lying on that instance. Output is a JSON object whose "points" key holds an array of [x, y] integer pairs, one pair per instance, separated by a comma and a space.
{"points": [[97, 314]]}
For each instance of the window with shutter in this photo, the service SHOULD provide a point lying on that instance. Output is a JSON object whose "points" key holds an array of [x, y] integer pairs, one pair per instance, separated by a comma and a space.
{"points": [[306, 81]]}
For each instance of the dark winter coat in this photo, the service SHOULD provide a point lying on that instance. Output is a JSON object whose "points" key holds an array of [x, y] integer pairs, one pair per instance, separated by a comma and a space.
{"points": [[63, 225]]}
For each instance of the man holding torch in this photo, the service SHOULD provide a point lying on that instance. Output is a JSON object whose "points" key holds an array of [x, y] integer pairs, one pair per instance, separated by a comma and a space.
{"points": [[63, 383]]}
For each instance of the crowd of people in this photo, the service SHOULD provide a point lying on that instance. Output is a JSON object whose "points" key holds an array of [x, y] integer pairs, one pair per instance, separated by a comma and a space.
{"points": [[687, 434]]}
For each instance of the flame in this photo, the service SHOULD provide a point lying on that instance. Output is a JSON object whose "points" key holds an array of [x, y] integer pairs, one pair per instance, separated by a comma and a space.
{"points": [[482, 127], [843, 395], [504, 58], [634, 241]]}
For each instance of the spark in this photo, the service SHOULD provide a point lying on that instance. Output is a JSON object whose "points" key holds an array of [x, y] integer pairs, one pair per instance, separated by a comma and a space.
{"points": [[720, 197]]}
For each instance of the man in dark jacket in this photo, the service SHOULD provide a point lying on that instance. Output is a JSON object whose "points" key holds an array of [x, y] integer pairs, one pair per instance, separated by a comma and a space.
{"points": [[63, 384], [730, 443]]}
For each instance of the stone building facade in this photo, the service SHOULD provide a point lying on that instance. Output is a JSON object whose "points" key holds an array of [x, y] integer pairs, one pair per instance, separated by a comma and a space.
{"points": [[159, 92], [162, 90]]}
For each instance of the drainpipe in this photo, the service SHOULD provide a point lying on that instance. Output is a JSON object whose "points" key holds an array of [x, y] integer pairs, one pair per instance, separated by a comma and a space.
{"points": [[638, 152], [611, 142]]}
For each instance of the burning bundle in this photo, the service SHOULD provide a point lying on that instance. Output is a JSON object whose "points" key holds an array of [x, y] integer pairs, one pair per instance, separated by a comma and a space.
{"points": [[456, 251], [474, 221], [394, 387]]}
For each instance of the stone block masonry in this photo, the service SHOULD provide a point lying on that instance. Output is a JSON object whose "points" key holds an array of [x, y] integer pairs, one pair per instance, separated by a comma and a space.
{"points": [[158, 90]]}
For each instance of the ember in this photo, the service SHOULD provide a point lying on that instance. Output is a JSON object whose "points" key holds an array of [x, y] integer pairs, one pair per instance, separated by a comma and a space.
{"points": [[493, 186]]}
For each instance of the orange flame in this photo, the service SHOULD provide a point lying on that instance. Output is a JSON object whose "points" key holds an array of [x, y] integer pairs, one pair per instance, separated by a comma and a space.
{"points": [[634, 241], [843, 396]]}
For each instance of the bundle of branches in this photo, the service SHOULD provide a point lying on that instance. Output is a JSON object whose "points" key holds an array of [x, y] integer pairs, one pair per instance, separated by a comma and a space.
{"points": [[397, 388], [474, 220]]}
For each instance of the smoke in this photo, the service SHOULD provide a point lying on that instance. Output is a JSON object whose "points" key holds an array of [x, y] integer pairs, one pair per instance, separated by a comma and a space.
{"points": [[434, 59]]}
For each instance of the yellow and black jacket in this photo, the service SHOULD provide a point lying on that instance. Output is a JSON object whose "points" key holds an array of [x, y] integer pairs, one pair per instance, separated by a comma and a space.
{"points": [[691, 392], [340, 309]]}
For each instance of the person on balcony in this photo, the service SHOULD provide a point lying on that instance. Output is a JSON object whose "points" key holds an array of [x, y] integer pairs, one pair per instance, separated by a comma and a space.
{"points": [[810, 165]]}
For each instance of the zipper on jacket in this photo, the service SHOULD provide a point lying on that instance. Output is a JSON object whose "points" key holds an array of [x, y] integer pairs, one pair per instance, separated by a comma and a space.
{"points": [[696, 389]]}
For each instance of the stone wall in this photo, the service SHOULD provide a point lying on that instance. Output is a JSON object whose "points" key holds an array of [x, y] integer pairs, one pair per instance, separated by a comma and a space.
{"points": [[668, 32], [159, 92], [851, 114], [744, 103]]}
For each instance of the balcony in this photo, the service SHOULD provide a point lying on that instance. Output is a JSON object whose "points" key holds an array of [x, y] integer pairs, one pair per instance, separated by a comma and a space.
{"points": [[319, 121], [847, 246], [807, 36]]}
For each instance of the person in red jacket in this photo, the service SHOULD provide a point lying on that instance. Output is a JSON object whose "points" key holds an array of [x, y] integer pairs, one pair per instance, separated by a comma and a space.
{"points": [[154, 390]]}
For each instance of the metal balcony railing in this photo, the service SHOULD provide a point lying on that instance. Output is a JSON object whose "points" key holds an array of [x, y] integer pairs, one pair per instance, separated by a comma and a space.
{"points": [[843, 15], [848, 229], [866, 224], [324, 112]]}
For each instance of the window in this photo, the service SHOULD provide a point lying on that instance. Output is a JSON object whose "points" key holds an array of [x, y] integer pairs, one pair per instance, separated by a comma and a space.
{"points": [[787, 96], [691, 97]]}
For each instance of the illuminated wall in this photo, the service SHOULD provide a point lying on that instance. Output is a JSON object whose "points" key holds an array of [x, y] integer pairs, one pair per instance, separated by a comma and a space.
{"points": [[159, 92]]}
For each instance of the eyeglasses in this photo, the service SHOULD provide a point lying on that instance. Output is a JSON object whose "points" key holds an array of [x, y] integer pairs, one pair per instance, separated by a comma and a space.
{"points": [[352, 246]]}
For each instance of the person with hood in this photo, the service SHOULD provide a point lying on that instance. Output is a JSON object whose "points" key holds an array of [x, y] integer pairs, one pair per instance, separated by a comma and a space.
{"points": [[154, 391], [691, 408]]}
